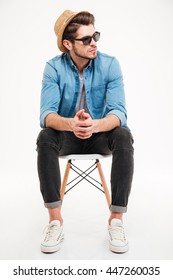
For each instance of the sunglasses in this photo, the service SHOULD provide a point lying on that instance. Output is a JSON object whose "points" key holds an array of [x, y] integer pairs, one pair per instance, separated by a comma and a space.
{"points": [[87, 39]]}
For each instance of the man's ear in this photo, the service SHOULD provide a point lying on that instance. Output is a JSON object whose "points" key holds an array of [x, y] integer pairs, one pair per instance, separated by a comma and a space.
{"points": [[67, 44]]}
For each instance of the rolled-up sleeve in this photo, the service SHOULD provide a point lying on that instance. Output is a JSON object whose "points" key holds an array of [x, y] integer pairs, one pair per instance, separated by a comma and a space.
{"points": [[115, 95], [50, 94]]}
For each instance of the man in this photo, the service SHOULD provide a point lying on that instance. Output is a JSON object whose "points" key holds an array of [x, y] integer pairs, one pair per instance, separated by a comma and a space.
{"points": [[83, 111]]}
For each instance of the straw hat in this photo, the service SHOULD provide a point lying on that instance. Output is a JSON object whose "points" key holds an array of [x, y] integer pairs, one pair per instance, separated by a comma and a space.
{"points": [[64, 19]]}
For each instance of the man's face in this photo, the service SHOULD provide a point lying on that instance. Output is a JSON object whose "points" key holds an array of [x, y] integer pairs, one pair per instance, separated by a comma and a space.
{"points": [[79, 49]]}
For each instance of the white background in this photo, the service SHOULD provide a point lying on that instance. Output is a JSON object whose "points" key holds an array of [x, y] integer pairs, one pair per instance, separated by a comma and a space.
{"points": [[140, 34]]}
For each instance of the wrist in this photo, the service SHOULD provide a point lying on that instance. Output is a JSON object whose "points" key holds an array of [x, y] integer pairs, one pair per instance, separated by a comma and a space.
{"points": [[70, 124], [96, 126]]}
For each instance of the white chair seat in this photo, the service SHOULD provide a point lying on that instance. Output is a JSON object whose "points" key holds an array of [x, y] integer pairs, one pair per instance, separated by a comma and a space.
{"points": [[84, 156]]}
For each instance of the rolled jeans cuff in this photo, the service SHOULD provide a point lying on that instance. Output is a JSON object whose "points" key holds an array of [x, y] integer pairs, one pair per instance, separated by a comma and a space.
{"points": [[54, 204], [118, 209]]}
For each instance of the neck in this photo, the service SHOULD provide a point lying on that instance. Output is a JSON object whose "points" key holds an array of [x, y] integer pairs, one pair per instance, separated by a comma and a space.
{"points": [[80, 63]]}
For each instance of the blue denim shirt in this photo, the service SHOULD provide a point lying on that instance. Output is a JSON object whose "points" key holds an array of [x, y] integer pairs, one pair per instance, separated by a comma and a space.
{"points": [[103, 86]]}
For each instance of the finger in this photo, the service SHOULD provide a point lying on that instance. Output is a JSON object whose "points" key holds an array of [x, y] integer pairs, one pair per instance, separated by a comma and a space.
{"points": [[81, 136], [86, 115], [80, 113], [84, 124], [84, 129]]}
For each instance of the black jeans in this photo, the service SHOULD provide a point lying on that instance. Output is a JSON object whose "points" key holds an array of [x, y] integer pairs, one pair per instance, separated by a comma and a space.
{"points": [[119, 142]]}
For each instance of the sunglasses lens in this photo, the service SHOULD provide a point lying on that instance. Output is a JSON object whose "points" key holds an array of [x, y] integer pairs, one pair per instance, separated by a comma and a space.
{"points": [[96, 36], [87, 41]]}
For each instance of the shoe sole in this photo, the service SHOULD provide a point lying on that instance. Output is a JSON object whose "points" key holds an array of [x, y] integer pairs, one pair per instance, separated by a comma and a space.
{"points": [[122, 249]]}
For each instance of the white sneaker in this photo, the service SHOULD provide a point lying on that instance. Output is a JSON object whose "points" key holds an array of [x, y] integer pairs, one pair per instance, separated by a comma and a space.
{"points": [[52, 237], [117, 240]]}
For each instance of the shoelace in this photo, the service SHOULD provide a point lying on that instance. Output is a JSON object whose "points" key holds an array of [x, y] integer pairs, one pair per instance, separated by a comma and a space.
{"points": [[51, 231], [117, 232]]}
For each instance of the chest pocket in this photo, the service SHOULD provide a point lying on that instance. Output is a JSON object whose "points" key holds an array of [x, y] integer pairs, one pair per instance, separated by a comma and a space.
{"points": [[98, 96]]}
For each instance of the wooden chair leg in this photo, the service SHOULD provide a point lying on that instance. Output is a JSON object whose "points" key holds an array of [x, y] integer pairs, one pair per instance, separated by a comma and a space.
{"points": [[103, 181], [65, 179]]}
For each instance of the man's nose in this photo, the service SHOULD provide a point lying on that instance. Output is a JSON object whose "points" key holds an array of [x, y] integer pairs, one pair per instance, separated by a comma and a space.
{"points": [[93, 43]]}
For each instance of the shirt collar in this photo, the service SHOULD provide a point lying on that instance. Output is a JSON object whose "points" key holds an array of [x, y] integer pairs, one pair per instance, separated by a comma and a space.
{"points": [[73, 66]]}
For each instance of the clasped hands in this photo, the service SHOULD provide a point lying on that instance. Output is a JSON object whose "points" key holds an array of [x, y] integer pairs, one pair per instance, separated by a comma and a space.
{"points": [[83, 125]]}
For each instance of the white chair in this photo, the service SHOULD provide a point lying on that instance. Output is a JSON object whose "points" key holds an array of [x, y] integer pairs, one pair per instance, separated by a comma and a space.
{"points": [[84, 175]]}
